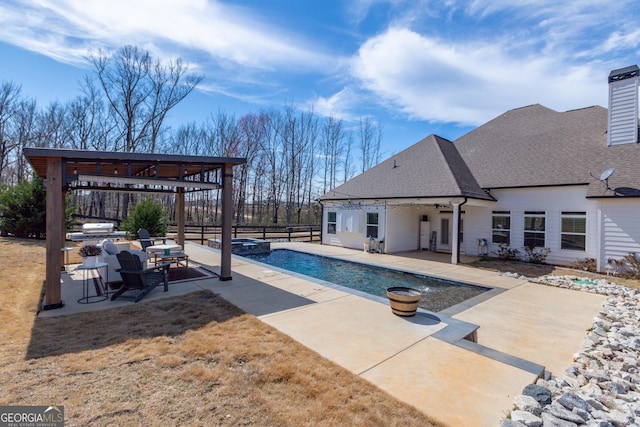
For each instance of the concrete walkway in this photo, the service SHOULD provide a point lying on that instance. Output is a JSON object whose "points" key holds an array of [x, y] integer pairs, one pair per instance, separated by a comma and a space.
{"points": [[521, 328]]}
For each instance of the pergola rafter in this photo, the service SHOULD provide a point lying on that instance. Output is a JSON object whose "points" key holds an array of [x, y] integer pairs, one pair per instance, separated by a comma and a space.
{"points": [[66, 170]]}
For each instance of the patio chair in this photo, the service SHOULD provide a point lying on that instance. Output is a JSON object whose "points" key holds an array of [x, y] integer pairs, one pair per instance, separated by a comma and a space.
{"points": [[145, 239], [137, 278]]}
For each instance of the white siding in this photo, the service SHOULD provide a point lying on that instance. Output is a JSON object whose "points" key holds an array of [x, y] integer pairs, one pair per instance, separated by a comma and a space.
{"points": [[351, 225], [612, 229], [477, 225], [553, 201], [620, 228], [623, 112], [403, 229]]}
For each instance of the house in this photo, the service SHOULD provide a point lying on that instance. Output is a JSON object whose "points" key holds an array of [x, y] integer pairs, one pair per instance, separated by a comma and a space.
{"points": [[532, 177]]}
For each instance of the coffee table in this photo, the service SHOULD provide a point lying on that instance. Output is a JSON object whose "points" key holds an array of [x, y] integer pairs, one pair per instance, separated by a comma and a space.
{"points": [[171, 257]]}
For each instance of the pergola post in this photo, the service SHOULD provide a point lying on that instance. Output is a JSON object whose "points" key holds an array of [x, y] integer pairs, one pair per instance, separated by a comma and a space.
{"points": [[55, 232], [227, 221], [181, 214]]}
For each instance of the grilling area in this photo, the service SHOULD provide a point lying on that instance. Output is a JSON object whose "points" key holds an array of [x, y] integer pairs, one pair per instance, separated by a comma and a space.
{"points": [[93, 232], [68, 170]]}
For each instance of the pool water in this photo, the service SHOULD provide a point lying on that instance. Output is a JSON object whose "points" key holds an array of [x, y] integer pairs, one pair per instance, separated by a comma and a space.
{"points": [[437, 294]]}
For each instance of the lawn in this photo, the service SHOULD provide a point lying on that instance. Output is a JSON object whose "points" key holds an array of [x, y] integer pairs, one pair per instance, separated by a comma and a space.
{"points": [[194, 360]]}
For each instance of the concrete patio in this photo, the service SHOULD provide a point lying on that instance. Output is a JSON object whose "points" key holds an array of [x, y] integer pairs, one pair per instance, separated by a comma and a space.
{"points": [[522, 329]]}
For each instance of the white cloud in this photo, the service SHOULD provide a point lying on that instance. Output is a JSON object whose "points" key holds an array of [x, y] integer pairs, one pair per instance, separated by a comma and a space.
{"points": [[438, 81], [340, 105], [66, 29]]}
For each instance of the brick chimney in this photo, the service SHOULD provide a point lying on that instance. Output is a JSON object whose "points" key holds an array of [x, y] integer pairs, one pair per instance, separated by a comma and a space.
{"points": [[623, 106]]}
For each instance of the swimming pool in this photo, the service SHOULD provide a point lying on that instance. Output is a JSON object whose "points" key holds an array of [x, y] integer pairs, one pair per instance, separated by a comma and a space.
{"points": [[437, 294]]}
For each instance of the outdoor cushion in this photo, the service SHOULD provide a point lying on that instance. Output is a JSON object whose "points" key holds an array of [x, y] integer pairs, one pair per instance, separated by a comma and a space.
{"points": [[110, 248]]}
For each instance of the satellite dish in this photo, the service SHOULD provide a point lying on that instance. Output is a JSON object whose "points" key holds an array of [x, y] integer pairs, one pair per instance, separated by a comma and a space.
{"points": [[607, 174]]}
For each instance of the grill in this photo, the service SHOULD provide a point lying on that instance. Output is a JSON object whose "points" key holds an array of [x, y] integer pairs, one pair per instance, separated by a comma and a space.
{"points": [[97, 228], [96, 231]]}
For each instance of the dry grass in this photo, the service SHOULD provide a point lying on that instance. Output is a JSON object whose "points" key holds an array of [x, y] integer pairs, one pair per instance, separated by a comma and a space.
{"points": [[194, 360], [536, 270]]}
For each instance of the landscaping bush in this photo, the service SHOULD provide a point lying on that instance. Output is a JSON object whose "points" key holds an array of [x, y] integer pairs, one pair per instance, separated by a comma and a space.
{"points": [[586, 264], [631, 266], [148, 215], [505, 252], [536, 255]]}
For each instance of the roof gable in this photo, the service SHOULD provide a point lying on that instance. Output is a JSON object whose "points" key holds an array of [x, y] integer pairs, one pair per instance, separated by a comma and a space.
{"points": [[430, 168]]}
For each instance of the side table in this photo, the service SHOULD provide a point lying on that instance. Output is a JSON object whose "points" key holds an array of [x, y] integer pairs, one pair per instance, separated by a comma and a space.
{"points": [[88, 275]]}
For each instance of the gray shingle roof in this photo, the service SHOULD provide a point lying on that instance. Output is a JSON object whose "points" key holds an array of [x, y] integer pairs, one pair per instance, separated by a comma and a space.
{"points": [[431, 168], [526, 147], [537, 146]]}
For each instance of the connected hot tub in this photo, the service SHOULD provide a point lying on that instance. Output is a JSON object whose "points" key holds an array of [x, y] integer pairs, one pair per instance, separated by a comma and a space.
{"points": [[243, 246]]}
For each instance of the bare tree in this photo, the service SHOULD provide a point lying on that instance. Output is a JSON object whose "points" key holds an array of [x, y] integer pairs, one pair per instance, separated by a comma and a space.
{"points": [[124, 78], [9, 97], [52, 132], [252, 129], [298, 133], [348, 167], [274, 162], [86, 120], [141, 92], [333, 139], [370, 141], [171, 84], [25, 132]]}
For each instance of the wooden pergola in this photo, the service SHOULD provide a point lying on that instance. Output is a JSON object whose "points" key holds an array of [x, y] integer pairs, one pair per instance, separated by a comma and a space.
{"points": [[66, 170]]}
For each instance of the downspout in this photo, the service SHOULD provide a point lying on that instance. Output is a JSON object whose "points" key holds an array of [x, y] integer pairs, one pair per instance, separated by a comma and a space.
{"points": [[321, 220], [459, 222]]}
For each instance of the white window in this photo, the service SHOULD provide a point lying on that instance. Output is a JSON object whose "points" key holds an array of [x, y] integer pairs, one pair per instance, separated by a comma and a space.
{"points": [[573, 235], [331, 222], [501, 227], [534, 229], [348, 222], [372, 224]]}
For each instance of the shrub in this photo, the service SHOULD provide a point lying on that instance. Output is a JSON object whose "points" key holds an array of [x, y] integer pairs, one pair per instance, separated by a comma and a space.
{"points": [[148, 215], [536, 255], [631, 265], [505, 252], [586, 264], [23, 209]]}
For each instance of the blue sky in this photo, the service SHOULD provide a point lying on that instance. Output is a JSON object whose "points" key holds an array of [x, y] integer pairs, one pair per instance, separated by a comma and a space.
{"points": [[416, 67]]}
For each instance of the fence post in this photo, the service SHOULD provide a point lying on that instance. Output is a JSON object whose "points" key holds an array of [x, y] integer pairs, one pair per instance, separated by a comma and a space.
{"points": [[235, 230], [289, 233], [202, 235], [264, 233]]}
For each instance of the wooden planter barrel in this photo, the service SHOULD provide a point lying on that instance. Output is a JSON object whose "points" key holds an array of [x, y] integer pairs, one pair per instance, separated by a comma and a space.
{"points": [[403, 301]]}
